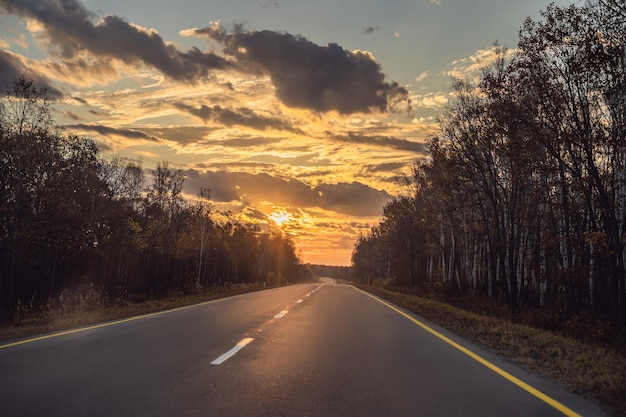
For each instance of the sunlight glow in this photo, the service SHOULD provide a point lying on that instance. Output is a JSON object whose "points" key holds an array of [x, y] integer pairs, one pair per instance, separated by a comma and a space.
{"points": [[279, 217]]}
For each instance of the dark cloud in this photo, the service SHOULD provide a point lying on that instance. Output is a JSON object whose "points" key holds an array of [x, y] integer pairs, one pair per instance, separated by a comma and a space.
{"points": [[71, 29], [105, 147], [12, 68], [360, 225], [326, 225], [253, 166], [305, 75], [269, 4], [370, 29], [383, 168], [316, 173], [184, 135], [303, 160], [70, 115], [81, 101], [310, 76], [248, 142], [253, 213], [382, 141], [351, 198], [108, 131], [238, 117]]}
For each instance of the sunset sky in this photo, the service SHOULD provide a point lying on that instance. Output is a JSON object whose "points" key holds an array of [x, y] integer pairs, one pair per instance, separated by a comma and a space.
{"points": [[299, 114]]}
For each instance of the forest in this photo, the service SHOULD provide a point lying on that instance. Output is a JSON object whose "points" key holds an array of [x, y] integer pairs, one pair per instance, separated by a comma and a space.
{"points": [[522, 200], [77, 227]]}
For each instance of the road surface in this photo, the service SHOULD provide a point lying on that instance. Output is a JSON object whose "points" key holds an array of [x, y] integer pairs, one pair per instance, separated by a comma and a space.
{"points": [[303, 350]]}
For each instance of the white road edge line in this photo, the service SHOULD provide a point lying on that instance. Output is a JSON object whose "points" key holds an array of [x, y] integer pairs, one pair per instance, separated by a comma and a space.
{"points": [[299, 301], [242, 343], [281, 314]]}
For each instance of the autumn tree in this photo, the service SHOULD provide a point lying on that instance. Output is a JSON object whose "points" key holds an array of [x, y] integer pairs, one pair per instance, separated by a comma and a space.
{"points": [[81, 230], [526, 181], [51, 194]]}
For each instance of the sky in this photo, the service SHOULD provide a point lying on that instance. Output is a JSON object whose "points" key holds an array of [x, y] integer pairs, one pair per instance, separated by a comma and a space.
{"points": [[299, 116]]}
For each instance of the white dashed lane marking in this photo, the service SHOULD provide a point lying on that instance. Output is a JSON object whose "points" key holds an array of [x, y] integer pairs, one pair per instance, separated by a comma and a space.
{"points": [[281, 314], [242, 343]]}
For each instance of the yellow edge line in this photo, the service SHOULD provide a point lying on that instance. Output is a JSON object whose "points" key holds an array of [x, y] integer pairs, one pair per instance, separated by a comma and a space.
{"points": [[533, 391], [111, 323]]}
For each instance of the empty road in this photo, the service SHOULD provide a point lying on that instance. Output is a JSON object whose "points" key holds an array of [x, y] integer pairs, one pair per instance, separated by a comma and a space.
{"points": [[303, 350]]}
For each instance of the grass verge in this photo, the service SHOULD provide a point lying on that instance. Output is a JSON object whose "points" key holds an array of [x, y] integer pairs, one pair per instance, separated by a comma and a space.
{"points": [[56, 321], [591, 370]]}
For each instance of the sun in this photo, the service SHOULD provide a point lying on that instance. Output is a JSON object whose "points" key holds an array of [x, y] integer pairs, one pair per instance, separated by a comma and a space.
{"points": [[279, 217]]}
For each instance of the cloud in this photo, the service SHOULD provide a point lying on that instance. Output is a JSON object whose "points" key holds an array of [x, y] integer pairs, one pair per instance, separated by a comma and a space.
{"points": [[241, 117], [305, 75], [248, 142], [109, 131], [254, 214], [81, 70], [71, 31], [269, 4], [470, 68], [186, 135], [431, 100], [98, 113], [422, 76], [70, 115], [13, 66], [82, 101], [383, 168], [381, 141], [310, 76], [370, 29], [353, 198], [301, 161], [350, 198]]}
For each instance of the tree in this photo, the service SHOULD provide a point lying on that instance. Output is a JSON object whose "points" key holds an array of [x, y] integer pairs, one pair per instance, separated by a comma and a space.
{"points": [[51, 193], [164, 215], [70, 220], [25, 108], [526, 181], [581, 51]]}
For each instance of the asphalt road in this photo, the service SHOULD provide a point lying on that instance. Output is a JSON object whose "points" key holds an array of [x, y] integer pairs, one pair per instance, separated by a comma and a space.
{"points": [[303, 350]]}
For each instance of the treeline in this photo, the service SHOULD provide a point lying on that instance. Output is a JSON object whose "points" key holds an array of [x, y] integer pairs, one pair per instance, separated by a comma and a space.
{"points": [[523, 197], [75, 224], [343, 273]]}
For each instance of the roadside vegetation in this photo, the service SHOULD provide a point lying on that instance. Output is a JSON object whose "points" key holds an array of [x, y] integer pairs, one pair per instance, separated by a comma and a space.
{"points": [[82, 309], [587, 367]]}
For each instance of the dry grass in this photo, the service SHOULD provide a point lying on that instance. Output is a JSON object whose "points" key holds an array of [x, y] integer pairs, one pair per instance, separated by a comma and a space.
{"points": [[589, 369], [67, 317]]}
